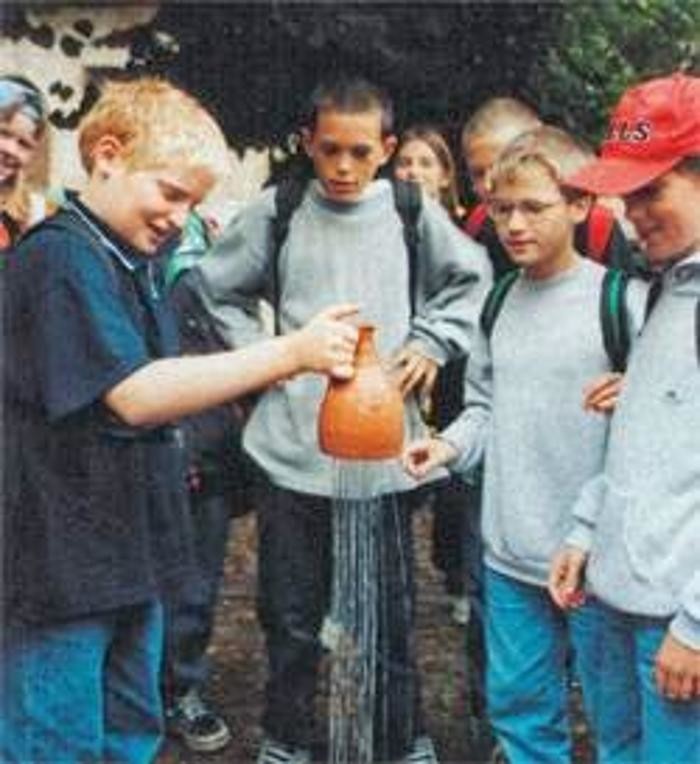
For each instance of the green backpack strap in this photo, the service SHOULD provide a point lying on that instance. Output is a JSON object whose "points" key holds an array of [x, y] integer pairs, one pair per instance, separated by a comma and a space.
{"points": [[613, 318], [494, 301], [409, 203]]}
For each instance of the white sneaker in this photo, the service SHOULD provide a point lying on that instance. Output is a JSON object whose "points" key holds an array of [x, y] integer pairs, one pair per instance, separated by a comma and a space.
{"points": [[423, 752], [460, 610], [272, 752]]}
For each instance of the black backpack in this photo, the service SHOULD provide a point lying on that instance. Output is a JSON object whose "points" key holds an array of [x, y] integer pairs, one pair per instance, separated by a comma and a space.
{"points": [[289, 194], [612, 312]]}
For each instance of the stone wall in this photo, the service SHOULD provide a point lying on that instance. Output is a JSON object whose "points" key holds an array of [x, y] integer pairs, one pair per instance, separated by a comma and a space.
{"points": [[62, 50]]}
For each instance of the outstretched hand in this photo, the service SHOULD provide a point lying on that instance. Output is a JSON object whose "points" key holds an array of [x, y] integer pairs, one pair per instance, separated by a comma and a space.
{"points": [[422, 456], [414, 370], [327, 342], [565, 582]]}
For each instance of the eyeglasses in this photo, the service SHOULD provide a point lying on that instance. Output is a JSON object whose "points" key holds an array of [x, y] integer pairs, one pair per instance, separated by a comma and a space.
{"points": [[531, 209]]}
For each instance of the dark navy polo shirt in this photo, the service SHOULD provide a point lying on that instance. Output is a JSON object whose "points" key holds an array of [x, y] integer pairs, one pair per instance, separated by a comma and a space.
{"points": [[94, 510]]}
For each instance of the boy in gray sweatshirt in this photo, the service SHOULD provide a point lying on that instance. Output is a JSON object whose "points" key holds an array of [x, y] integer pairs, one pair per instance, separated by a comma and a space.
{"points": [[523, 415], [345, 238], [637, 526]]}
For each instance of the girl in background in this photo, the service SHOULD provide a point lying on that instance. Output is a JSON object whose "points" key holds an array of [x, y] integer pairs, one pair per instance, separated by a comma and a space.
{"points": [[424, 157], [22, 127]]}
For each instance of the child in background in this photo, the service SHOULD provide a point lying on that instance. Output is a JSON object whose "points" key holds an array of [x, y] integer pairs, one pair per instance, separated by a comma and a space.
{"points": [[637, 524], [95, 527], [216, 482], [523, 416], [423, 157], [22, 126], [486, 133]]}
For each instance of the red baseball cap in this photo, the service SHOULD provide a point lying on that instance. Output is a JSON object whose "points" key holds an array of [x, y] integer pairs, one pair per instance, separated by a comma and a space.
{"points": [[653, 127]]}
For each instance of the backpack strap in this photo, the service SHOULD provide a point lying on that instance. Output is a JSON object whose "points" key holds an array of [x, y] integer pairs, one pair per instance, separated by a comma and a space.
{"points": [[599, 228], [289, 194], [494, 301], [476, 220], [409, 203], [613, 318]]}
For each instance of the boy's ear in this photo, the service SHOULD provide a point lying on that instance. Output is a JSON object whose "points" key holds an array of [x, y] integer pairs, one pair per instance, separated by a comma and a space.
{"points": [[306, 141], [580, 207], [389, 144], [107, 151]]}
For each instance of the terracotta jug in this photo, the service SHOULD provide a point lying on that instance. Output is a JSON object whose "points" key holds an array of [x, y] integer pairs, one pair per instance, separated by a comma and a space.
{"points": [[362, 418]]}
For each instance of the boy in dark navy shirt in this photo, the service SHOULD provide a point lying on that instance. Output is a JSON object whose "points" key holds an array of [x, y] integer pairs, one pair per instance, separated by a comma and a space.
{"points": [[95, 529]]}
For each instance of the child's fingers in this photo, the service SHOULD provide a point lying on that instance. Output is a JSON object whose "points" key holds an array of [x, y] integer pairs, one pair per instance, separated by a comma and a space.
{"points": [[554, 583], [564, 582], [416, 459], [601, 393]]}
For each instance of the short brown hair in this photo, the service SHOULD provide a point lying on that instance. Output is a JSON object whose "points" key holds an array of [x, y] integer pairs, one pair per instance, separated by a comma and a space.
{"points": [[156, 123]]}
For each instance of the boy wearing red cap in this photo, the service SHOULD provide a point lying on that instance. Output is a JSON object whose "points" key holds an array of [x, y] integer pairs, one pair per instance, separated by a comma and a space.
{"points": [[638, 523]]}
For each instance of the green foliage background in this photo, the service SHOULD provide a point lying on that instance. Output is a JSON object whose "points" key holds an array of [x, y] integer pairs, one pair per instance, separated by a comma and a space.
{"points": [[599, 48]]}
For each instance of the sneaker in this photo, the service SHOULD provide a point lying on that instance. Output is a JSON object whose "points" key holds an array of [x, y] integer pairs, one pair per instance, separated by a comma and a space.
{"points": [[272, 752], [423, 752], [198, 727], [460, 610]]}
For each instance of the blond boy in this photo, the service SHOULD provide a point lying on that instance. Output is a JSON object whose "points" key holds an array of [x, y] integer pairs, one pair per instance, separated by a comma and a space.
{"points": [[95, 529]]}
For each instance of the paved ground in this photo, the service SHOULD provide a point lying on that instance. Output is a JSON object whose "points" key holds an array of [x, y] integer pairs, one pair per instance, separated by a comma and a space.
{"points": [[239, 662]]}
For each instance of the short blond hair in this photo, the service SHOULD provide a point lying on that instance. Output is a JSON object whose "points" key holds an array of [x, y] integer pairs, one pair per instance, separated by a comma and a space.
{"points": [[498, 115], [157, 124], [552, 149]]}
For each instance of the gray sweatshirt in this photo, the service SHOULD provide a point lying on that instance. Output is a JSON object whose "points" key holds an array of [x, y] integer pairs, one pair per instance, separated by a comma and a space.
{"points": [[352, 252], [640, 517], [523, 412]]}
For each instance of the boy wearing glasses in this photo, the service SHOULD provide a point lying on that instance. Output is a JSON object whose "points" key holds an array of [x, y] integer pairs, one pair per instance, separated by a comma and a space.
{"points": [[523, 413]]}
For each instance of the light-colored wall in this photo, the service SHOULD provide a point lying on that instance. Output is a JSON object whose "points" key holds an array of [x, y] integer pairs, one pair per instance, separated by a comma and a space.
{"points": [[51, 66]]}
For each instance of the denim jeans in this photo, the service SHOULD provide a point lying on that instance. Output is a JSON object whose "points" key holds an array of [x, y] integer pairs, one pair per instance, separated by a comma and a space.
{"points": [[527, 643], [83, 690], [190, 613], [634, 722]]}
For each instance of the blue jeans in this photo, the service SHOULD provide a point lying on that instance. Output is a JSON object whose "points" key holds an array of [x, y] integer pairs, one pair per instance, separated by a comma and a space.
{"points": [[83, 690], [190, 613], [634, 722], [527, 643]]}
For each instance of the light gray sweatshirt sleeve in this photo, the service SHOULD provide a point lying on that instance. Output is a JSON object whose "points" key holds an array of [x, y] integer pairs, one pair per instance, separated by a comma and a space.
{"points": [[584, 513], [685, 625], [454, 275], [468, 433], [234, 276]]}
